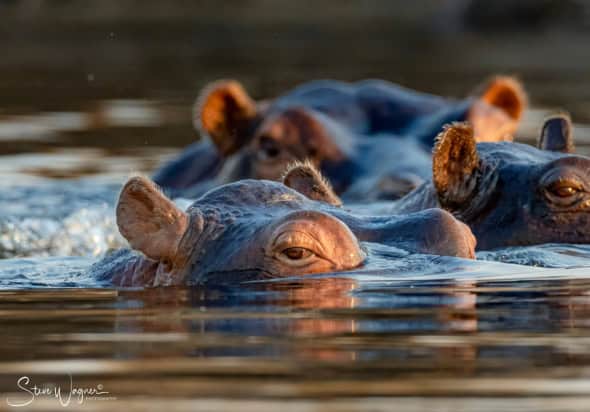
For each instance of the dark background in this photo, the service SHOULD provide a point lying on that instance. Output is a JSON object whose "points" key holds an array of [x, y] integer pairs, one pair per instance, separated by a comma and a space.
{"points": [[67, 54]]}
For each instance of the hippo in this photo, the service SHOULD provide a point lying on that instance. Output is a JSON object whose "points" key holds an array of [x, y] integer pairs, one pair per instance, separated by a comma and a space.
{"points": [[343, 128], [509, 194], [360, 169], [258, 229]]}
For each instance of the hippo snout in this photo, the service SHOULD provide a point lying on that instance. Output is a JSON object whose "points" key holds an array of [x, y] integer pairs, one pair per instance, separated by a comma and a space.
{"points": [[449, 236], [431, 231]]}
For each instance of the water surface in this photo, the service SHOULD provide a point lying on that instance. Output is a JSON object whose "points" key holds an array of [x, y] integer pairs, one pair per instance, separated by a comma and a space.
{"points": [[508, 343]]}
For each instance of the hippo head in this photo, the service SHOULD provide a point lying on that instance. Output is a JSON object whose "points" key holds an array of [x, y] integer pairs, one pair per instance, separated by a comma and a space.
{"points": [[259, 139], [256, 229], [515, 194]]}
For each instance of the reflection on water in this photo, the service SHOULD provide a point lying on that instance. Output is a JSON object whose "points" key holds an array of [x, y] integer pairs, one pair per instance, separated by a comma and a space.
{"points": [[105, 114], [312, 338]]}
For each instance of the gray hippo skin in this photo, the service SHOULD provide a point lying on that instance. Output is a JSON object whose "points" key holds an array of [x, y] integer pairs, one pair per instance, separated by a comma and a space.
{"points": [[256, 229], [510, 194], [371, 139]]}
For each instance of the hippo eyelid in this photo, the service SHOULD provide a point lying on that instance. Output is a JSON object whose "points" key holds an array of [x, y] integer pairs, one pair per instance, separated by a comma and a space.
{"points": [[563, 176], [567, 182], [564, 189], [299, 239]]}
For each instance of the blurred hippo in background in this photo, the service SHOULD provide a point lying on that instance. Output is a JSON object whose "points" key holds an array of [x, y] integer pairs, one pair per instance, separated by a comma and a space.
{"points": [[371, 138], [257, 229], [509, 194]]}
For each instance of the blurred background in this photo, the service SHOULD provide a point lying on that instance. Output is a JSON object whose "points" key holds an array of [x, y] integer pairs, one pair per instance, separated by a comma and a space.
{"points": [[107, 86]]}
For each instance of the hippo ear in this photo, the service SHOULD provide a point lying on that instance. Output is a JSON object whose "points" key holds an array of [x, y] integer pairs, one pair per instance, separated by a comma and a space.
{"points": [[307, 180], [506, 93], [454, 164], [497, 110], [149, 220], [556, 134], [225, 112]]}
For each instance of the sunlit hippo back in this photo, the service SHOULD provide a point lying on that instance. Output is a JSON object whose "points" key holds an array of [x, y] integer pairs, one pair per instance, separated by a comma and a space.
{"points": [[255, 229]]}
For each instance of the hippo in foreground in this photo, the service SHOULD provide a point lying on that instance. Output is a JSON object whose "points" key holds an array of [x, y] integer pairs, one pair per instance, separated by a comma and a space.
{"points": [[509, 194], [337, 126], [255, 229]]}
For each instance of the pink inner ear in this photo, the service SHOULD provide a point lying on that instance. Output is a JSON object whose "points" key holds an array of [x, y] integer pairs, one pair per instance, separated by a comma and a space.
{"points": [[150, 222], [224, 111], [507, 94], [491, 124]]}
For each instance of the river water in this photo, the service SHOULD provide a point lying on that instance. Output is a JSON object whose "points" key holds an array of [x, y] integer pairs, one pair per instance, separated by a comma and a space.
{"points": [[442, 335]]}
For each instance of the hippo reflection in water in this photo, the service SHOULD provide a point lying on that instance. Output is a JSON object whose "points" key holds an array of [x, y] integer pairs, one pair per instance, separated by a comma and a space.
{"points": [[510, 194], [372, 139], [255, 229]]}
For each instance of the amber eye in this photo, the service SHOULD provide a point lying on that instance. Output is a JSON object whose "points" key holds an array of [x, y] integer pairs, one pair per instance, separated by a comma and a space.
{"points": [[563, 189], [297, 253]]}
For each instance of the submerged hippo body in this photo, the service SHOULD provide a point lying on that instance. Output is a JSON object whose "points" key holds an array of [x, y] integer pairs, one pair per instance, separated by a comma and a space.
{"points": [[333, 125], [510, 194], [256, 229]]}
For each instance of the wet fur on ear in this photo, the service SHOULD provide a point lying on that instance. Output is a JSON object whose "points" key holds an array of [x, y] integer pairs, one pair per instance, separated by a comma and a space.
{"points": [[506, 93], [150, 222], [455, 163], [556, 134], [225, 112], [307, 180]]}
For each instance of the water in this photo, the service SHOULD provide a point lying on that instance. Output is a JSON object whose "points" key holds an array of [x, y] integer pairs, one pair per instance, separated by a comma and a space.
{"points": [[439, 334], [442, 345], [88, 97]]}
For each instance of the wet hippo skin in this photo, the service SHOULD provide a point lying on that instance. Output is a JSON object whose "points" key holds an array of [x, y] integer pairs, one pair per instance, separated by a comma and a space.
{"points": [[257, 229], [372, 139], [510, 194]]}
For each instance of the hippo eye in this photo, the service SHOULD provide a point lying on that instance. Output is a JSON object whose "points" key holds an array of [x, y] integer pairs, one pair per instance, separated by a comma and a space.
{"points": [[564, 192], [297, 253], [268, 148], [297, 256], [296, 249], [564, 189]]}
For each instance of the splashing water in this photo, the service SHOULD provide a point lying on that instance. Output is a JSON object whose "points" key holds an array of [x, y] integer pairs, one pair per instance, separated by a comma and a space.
{"points": [[58, 219], [88, 231]]}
